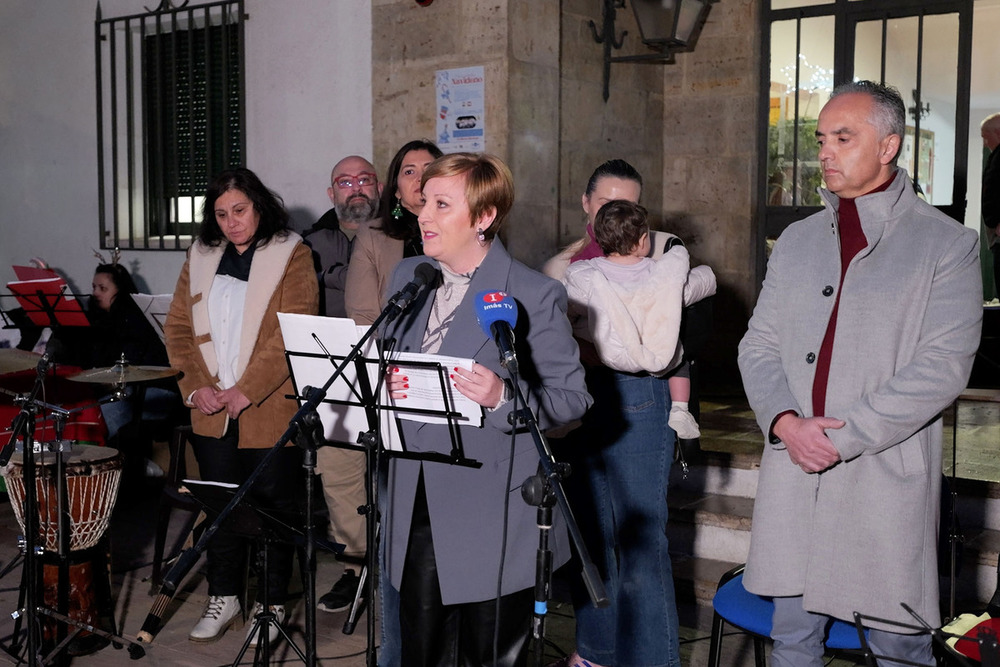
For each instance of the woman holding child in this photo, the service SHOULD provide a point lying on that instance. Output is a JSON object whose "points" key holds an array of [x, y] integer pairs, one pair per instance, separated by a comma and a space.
{"points": [[626, 311]]}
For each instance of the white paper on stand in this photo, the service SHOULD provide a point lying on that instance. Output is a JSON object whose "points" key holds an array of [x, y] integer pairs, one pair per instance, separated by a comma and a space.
{"points": [[341, 423], [425, 393]]}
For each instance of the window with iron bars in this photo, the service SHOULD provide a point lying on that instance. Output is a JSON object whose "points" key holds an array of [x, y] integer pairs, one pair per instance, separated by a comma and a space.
{"points": [[170, 116]]}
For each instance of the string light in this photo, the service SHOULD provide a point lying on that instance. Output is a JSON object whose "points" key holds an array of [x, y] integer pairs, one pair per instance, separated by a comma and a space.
{"points": [[812, 78]]}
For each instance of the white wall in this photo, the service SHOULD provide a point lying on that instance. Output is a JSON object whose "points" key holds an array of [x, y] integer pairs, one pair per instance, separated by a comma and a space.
{"points": [[308, 104]]}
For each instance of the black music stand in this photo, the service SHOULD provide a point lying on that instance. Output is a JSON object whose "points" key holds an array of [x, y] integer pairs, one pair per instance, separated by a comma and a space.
{"points": [[304, 428], [48, 303], [357, 406], [989, 648], [266, 527]]}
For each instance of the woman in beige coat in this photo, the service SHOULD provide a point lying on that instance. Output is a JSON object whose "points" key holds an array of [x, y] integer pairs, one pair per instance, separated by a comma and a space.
{"points": [[223, 333], [382, 243]]}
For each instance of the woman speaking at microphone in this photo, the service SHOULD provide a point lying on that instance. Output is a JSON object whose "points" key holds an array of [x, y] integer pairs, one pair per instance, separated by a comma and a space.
{"points": [[445, 524]]}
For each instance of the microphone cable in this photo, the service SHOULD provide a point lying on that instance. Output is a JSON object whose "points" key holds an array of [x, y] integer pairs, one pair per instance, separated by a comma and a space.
{"points": [[506, 513]]}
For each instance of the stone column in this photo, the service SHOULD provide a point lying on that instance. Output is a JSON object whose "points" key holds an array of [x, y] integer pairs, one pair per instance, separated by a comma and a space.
{"points": [[517, 43], [710, 168]]}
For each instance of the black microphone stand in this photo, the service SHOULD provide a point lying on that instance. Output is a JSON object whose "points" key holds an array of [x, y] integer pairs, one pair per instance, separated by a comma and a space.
{"points": [[370, 442], [544, 489]]}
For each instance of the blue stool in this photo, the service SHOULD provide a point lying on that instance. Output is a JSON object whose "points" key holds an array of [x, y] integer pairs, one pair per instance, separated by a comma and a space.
{"points": [[752, 614]]}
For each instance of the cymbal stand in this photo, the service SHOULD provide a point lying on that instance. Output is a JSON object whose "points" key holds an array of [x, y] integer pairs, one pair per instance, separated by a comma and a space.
{"points": [[24, 426]]}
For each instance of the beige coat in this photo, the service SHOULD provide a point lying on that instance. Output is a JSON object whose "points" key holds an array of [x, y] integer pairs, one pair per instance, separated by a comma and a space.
{"points": [[282, 279], [373, 260]]}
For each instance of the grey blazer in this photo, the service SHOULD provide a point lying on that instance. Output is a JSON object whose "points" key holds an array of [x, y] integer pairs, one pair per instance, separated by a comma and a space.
{"points": [[466, 505], [861, 536]]}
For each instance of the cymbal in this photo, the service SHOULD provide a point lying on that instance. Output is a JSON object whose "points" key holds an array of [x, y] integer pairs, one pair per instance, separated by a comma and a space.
{"points": [[13, 360], [124, 374]]}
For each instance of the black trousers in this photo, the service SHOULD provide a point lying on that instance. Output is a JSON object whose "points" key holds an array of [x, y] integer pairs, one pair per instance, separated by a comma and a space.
{"points": [[221, 460], [459, 635]]}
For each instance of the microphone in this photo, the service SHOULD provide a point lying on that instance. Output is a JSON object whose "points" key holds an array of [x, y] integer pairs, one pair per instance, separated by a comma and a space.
{"points": [[496, 313], [424, 274]]}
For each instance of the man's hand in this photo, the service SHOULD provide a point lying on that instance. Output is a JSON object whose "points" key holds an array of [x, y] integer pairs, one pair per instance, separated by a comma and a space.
{"points": [[806, 441]]}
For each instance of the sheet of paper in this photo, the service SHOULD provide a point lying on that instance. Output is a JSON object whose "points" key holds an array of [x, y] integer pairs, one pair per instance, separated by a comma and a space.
{"points": [[341, 423], [425, 390]]}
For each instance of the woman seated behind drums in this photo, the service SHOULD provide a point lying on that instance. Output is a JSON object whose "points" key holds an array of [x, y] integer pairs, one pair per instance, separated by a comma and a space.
{"points": [[118, 329], [445, 524]]}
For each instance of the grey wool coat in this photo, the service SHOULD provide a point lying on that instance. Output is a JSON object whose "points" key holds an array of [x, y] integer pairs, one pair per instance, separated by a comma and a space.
{"points": [[861, 536], [466, 504]]}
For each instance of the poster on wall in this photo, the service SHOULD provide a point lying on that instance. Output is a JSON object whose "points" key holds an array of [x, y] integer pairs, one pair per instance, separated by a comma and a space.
{"points": [[461, 109]]}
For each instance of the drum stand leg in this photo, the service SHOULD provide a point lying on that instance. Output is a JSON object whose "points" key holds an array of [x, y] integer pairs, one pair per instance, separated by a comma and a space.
{"points": [[14, 650]]}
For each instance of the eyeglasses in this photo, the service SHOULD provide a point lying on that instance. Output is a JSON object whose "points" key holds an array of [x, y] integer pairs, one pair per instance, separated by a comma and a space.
{"points": [[362, 180]]}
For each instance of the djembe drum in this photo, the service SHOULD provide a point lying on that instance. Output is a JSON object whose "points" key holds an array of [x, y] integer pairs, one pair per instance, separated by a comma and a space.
{"points": [[92, 477]]}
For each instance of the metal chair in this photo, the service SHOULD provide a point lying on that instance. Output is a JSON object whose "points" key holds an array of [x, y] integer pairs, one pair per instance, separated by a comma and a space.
{"points": [[735, 605]]}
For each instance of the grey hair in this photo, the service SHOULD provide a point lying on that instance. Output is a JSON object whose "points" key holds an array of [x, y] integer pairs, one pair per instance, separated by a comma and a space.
{"points": [[888, 111]]}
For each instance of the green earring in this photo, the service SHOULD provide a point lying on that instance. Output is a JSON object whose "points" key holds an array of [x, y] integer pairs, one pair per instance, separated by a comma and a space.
{"points": [[397, 211]]}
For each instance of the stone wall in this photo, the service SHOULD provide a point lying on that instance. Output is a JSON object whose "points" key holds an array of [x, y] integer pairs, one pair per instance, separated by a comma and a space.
{"points": [[515, 41], [629, 125], [409, 43], [710, 169], [544, 112], [688, 127]]}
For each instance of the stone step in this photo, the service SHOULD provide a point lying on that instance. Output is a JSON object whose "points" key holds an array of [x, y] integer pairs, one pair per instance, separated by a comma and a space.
{"points": [[709, 525], [696, 579]]}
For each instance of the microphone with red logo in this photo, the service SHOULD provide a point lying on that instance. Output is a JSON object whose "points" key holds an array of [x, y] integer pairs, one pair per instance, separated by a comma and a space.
{"points": [[496, 313]]}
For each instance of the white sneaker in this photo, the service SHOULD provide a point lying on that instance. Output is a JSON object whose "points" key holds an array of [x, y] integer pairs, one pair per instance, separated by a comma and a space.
{"points": [[220, 612], [272, 635], [683, 423]]}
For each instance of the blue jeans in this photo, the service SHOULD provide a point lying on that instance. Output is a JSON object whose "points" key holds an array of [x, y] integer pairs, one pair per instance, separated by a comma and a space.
{"points": [[390, 651], [619, 494]]}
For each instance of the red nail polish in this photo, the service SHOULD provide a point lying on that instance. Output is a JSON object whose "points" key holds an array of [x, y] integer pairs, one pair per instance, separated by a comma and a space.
{"points": [[406, 386]]}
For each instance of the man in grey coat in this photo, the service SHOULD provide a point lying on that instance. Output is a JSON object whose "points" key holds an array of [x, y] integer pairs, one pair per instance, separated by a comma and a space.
{"points": [[864, 331]]}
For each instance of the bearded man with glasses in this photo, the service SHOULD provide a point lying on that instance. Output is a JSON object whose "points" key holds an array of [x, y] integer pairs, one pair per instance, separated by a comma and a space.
{"points": [[354, 191]]}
